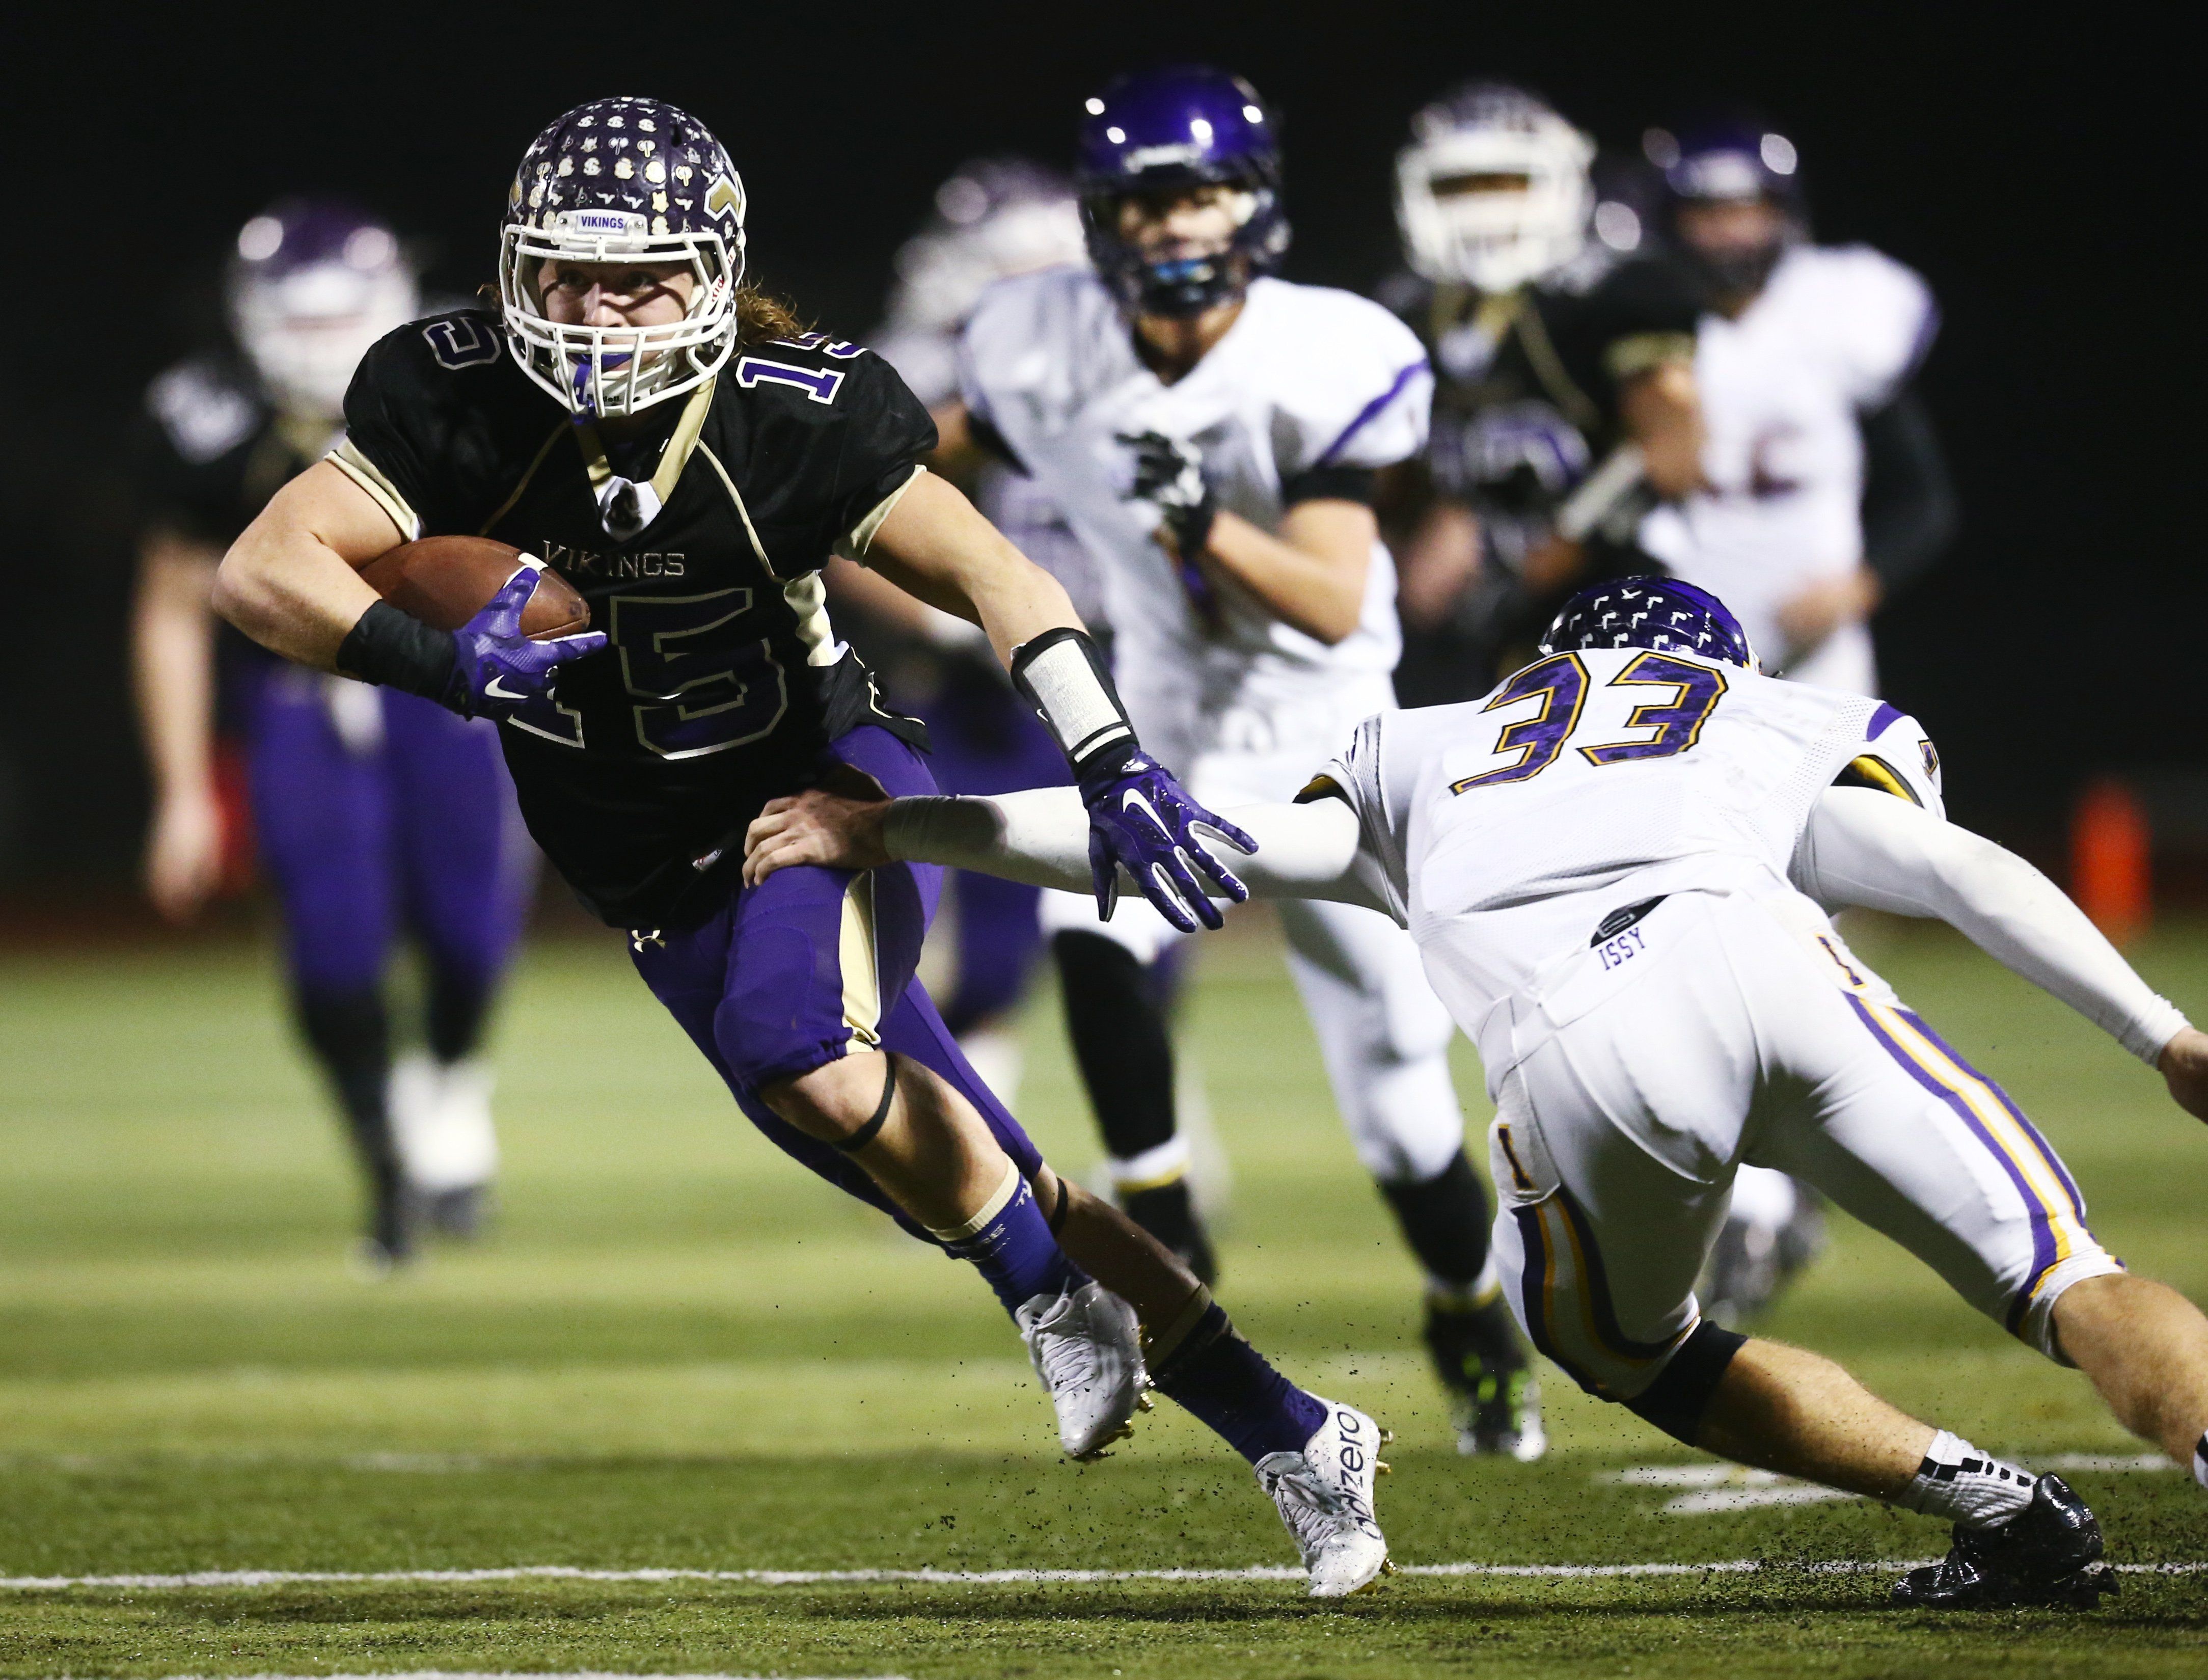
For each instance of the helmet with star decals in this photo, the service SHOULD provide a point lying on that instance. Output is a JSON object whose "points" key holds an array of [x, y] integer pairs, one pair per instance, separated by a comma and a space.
{"points": [[623, 180]]}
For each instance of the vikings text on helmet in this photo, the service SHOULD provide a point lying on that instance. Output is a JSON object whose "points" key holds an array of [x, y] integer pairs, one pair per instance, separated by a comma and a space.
{"points": [[1189, 126], [623, 180]]}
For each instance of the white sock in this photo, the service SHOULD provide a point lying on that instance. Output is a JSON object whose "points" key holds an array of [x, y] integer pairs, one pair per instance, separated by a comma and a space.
{"points": [[1958, 1483], [2200, 1460]]}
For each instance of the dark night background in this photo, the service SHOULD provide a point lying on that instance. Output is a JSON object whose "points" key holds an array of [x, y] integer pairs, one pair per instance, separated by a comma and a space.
{"points": [[2037, 189]]}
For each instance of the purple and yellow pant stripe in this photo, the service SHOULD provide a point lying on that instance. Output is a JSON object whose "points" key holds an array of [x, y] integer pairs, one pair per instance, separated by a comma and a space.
{"points": [[1568, 1309], [2062, 1245]]}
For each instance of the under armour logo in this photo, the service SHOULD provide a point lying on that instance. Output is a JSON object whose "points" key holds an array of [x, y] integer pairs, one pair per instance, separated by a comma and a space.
{"points": [[640, 937]]}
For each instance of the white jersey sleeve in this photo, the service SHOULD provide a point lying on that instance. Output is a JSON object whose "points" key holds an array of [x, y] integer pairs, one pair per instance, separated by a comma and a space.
{"points": [[1355, 775], [1359, 391], [1882, 318], [1897, 758]]}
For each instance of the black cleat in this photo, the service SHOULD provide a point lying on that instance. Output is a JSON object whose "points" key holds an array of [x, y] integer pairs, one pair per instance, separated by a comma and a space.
{"points": [[460, 1214], [1750, 1265], [1495, 1401], [1168, 1213], [2049, 1553]]}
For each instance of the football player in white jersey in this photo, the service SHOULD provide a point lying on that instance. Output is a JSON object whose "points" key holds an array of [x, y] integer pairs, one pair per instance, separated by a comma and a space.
{"points": [[1824, 490], [1212, 435], [1803, 357], [1619, 869], [994, 218]]}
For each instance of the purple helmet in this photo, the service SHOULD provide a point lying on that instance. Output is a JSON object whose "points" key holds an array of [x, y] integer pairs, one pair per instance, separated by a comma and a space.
{"points": [[314, 282], [1189, 126], [623, 181], [1732, 160], [1661, 614]]}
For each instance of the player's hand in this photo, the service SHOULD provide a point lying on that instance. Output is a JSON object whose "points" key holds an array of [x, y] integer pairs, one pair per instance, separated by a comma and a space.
{"points": [[1812, 614], [1170, 476], [816, 827], [1141, 818], [2184, 1065], [497, 670], [183, 854]]}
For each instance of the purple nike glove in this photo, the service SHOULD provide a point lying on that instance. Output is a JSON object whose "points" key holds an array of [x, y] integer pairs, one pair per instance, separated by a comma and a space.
{"points": [[498, 671], [1140, 816]]}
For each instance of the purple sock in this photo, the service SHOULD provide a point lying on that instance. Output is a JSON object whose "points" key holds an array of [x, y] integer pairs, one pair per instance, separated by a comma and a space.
{"points": [[1229, 1385], [1010, 1244]]}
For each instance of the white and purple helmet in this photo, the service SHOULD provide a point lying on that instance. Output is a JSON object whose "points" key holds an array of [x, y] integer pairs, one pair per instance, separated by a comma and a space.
{"points": [[614, 181], [313, 283], [1492, 191], [1666, 615]]}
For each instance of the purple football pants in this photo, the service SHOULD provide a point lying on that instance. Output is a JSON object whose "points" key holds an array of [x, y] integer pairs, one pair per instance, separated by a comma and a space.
{"points": [[790, 975], [987, 741], [412, 823]]}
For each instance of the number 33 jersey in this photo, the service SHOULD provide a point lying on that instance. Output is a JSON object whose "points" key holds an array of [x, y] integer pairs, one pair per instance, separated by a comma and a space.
{"points": [[1506, 828], [698, 538]]}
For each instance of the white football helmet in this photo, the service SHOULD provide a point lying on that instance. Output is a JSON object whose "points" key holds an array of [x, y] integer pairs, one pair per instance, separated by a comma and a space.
{"points": [[314, 284], [623, 180], [1492, 191]]}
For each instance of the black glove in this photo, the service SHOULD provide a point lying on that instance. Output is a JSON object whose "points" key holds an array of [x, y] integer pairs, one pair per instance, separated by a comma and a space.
{"points": [[1170, 476]]}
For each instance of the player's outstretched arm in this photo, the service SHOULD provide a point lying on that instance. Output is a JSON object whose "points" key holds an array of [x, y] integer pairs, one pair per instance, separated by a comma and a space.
{"points": [[1868, 848], [933, 544], [173, 668], [1040, 836]]}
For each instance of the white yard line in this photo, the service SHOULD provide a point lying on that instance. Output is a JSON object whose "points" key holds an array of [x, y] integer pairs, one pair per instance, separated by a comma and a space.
{"points": [[222, 1578]]}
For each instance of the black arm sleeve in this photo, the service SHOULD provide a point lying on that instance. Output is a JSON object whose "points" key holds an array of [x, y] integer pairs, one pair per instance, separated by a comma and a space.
{"points": [[1909, 513]]}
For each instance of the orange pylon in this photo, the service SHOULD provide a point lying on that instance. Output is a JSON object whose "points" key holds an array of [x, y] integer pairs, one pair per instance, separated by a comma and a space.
{"points": [[2112, 859]]}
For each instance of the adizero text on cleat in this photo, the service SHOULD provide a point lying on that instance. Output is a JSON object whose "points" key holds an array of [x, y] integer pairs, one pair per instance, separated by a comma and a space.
{"points": [[2049, 1553], [1324, 1496], [1085, 1346]]}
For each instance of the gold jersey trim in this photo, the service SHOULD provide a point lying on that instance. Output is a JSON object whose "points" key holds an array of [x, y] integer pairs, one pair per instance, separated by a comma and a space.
{"points": [[347, 459], [860, 536]]}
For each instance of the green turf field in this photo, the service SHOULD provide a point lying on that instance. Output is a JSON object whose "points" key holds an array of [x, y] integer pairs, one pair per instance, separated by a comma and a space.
{"points": [[678, 1352]]}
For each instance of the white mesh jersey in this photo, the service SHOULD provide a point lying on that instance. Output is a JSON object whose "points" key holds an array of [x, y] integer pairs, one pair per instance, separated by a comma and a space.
{"points": [[1594, 780], [1836, 330], [1307, 379]]}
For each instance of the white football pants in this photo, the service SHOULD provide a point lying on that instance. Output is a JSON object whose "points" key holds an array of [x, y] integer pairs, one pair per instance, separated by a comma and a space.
{"points": [[1383, 1033], [1741, 1029]]}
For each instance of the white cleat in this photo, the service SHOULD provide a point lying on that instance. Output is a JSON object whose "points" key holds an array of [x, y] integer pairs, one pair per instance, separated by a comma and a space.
{"points": [[440, 1121], [1324, 1494], [1086, 1348]]}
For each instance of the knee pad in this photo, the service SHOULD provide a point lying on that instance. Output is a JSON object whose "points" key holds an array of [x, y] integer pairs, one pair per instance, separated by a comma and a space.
{"points": [[1675, 1402]]}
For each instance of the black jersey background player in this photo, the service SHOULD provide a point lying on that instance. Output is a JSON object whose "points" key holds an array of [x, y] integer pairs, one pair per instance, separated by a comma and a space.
{"points": [[374, 813], [1564, 400]]}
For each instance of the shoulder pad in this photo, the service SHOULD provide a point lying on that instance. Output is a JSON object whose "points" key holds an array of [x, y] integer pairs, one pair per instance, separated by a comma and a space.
{"points": [[205, 410], [1897, 758]]}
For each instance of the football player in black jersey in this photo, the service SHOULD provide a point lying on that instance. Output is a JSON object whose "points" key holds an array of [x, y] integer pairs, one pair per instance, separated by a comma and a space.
{"points": [[1564, 402], [373, 811], [689, 457]]}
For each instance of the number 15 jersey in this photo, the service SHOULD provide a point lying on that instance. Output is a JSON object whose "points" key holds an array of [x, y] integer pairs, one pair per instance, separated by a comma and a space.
{"points": [[698, 537], [1593, 780]]}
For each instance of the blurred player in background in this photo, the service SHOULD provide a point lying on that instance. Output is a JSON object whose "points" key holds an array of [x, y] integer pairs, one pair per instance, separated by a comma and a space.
{"points": [[1824, 491], [1213, 435], [994, 218], [1564, 404], [374, 812]]}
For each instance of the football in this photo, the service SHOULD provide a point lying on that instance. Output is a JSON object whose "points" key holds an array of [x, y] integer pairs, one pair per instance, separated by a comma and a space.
{"points": [[444, 581]]}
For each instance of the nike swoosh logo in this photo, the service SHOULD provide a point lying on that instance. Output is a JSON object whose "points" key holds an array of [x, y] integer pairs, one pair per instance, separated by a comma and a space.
{"points": [[496, 690]]}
